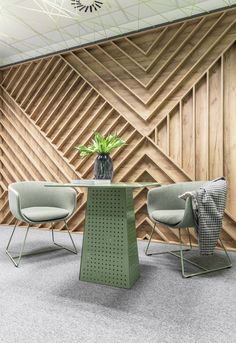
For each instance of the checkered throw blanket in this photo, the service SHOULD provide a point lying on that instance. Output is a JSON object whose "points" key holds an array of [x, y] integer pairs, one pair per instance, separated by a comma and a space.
{"points": [[208, 205]]}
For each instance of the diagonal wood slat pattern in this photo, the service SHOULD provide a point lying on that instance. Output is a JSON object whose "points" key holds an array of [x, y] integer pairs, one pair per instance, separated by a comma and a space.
{"points": [[170, 92]]}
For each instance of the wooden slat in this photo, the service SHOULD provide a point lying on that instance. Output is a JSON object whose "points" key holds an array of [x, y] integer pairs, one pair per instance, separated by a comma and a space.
{"points": [[47, 104], [41, 89], [229, 142], [42, 70], [202, 130]]}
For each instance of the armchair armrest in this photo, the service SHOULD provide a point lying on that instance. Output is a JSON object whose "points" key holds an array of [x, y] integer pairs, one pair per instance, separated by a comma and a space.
{"points": [[14, 203], [64, 197], [188, 219]]}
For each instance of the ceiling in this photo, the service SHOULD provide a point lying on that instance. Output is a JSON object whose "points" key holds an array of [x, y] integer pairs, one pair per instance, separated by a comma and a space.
{"points": [[31, 28]]}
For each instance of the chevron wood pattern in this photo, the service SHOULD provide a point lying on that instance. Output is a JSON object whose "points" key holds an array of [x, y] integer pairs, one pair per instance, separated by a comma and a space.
{"points": [[170, 92]]}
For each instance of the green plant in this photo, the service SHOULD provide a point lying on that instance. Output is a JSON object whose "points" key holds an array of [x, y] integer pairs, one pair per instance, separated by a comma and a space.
{"points": [[101, 145]]}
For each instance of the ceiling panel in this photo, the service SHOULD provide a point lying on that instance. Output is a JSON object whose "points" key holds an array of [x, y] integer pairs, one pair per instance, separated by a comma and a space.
{"points": [[34, 28]]}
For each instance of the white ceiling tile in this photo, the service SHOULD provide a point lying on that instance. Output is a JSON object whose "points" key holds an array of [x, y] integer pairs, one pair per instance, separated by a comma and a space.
{"points": [[175, 15], [211, 5], [154, 20], [73, 30], [6, 51]]}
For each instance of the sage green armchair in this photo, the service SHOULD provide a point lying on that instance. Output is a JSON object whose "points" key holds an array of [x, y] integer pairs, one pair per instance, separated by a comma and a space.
{"points": [[33, 203], [166, 208]]}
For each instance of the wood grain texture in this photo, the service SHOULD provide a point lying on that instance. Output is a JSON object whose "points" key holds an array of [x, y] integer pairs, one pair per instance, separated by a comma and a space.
{"points": [[170, 92]]}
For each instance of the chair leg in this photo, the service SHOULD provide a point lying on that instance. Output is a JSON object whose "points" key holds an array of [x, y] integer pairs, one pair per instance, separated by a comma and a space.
{"points": [[74, 251], [183, 259], [146, 251], [17, 259], [205, 270], [226, 253], [13, 258], [189, 237], [165, 252]]}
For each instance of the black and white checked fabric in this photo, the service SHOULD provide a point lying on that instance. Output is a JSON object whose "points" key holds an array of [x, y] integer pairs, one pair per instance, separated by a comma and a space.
{"points": [[208, 207]]}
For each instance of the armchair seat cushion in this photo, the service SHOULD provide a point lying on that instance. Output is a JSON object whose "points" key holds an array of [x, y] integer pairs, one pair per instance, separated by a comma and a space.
{"points": [[168, 217], [43, 214]]}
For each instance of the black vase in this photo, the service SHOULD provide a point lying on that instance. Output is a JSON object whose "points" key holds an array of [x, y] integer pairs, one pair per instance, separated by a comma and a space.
{"points": [[103, 167]]}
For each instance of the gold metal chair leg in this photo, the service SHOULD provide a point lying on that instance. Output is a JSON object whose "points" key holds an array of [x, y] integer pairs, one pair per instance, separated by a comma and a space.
{"points": [[13, 258], [62, 246]]}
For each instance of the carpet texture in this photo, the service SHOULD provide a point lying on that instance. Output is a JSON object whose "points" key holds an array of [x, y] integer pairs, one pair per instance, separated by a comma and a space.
{"points": [[44, 301]]}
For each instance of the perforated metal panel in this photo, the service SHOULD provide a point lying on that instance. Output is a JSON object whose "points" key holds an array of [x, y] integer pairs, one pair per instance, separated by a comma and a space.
{"points": [[109, 254]]}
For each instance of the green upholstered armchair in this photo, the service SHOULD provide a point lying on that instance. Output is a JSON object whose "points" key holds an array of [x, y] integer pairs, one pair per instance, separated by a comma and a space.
{"points": [[166, 208], [33, 203]]}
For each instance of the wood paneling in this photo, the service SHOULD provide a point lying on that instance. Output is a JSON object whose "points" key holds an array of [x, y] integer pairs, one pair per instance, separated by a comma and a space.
{"points": [[170, 92]]}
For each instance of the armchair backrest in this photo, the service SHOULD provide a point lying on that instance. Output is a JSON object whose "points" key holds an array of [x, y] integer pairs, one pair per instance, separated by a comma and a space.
{"points": [[166, 197]]}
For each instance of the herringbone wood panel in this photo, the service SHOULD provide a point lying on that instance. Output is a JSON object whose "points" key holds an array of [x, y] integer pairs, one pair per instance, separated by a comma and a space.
{"points": [[170, 92]]}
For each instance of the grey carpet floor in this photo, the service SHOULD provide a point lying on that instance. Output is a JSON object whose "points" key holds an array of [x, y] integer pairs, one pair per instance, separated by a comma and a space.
{"points": [[44, 301]]}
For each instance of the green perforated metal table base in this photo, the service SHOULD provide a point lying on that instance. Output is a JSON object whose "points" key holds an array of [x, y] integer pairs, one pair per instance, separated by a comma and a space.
{"points": [[109, 253]]}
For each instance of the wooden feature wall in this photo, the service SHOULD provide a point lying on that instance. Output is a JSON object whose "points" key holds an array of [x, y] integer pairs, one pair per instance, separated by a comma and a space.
{"points": [[170, 92]]}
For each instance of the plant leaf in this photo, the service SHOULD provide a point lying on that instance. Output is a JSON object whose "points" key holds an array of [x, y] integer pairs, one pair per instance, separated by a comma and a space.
{"points": [[101, 144]]}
